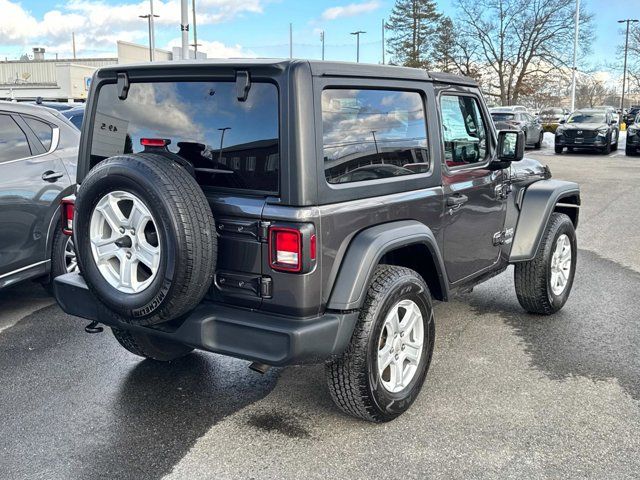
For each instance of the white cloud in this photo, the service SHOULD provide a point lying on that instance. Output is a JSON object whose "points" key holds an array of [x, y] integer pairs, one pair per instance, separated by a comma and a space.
{"points": [[98, 25], [350, 10], [217, 49]]}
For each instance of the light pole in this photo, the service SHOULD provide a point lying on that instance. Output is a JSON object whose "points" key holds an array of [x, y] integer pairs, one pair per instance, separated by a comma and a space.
{"points": [[195, 43], [322, 40], [357, 34], [149, 17], [575, 57], [624, 71], [184, 28], [223, 129]]}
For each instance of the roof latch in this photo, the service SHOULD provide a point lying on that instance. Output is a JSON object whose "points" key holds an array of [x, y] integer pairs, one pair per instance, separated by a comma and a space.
{"points": [[123, 85], [243, 84]]}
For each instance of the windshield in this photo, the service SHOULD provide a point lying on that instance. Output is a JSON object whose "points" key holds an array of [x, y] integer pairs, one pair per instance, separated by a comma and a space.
{"points": [[587, 117], [503, 117], [231, 144], [552, 111]]}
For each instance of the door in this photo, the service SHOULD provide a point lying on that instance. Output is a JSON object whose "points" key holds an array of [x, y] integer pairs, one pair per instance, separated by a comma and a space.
{"points": [[474, 208], [31, 180]]}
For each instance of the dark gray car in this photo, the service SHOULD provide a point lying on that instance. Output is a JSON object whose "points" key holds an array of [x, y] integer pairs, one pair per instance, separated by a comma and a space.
{"points": [[530, 125], [38, 159], [294, 211]]}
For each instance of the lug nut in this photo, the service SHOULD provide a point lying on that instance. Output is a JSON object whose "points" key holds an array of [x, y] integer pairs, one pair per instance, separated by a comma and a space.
{"points": [[397, 356], [133, 232], [128, 254], [121, 229], [403, 347]]}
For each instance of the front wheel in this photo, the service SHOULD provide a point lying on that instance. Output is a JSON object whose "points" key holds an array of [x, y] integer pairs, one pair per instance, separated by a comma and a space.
{"points": [[538, 144], [543, 284], [559, 149], [382, 370], [629, 151]]}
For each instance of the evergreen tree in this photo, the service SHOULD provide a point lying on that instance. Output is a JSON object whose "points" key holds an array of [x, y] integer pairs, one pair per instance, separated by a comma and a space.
{"points": [[445, 47], [413, 24]]}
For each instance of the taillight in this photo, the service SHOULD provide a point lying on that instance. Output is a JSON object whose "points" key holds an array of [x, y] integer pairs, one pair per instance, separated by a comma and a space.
{"points": [[68, 207], [285, 249], [154, 142]]}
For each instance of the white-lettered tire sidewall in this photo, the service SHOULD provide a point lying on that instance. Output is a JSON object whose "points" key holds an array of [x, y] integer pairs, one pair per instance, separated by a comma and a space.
{"points": [[558, 301], [145, 303], [394, 404]]}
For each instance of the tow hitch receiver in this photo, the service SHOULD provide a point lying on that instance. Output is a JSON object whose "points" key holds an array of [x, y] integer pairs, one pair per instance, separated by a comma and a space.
{"points": [[261, 368], [93, 327]]}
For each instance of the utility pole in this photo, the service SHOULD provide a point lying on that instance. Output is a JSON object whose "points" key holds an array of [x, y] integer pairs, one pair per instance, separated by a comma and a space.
{"points": [[383, 41], [291, 40], [575, 57], [624, 71], [73, 44], [184, 28], [152, 32], [357, 34], [322, 40], [149, 17], [195, 33]]}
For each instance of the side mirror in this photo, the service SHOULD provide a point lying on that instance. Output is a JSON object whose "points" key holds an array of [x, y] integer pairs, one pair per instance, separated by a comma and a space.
{"points": [[562, 120], [510, 145]]}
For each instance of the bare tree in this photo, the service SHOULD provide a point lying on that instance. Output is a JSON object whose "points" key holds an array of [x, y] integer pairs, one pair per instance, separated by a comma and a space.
{"points": [[591, 92], [453, 53], [634, 59], [520, 40]]}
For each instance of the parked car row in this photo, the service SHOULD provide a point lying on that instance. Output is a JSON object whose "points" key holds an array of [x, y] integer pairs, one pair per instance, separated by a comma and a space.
{"points": [[38, 160]]}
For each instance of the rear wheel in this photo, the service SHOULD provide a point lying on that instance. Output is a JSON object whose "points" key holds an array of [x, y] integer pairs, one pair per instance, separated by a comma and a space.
{"points": [[538, 144], [145, 236], [63, 255], [150, 346], [382, 370], [630, 151]]}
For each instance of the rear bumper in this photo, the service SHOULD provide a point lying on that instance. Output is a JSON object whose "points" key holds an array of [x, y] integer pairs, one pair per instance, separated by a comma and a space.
{"points": [[248, 334]]}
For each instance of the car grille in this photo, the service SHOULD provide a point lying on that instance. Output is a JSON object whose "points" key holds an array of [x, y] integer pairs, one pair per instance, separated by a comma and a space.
{"points": [[585, 134]]}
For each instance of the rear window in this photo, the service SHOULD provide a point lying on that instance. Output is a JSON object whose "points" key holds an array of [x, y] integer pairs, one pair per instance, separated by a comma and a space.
{"points": [[503, 117], [231, 144]]}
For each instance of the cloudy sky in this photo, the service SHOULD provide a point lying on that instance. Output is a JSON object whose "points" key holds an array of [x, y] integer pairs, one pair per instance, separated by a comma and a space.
{"points": [[235, 27]]}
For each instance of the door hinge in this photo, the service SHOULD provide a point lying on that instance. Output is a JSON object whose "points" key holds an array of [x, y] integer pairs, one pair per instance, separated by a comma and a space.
{"points": [[503, 237], [263, 231], [503, 190]]}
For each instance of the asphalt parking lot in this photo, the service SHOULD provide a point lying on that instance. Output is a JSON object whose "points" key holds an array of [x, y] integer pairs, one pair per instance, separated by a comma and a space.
{"points": [[508, 395]]}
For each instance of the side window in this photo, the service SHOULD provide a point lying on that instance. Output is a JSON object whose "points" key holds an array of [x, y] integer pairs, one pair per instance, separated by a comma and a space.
{"points": [[13, 141], [464, 132], [373, 134], [43, 131]]}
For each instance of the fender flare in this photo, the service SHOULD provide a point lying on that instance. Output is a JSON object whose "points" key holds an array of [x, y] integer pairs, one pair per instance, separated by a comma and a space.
{"points": [[364, 253], [539, 201]]}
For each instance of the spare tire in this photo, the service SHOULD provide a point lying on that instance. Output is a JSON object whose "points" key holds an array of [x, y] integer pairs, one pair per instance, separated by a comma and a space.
{"points": [[145, 237]]}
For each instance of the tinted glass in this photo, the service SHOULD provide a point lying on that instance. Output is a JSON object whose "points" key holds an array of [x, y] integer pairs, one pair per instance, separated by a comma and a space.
{"points": [[13, 141], [552, 111], [77, 120], [373, 134], [503, 117], [587, 117], [463, 131], [231, 144], [43, 131]]}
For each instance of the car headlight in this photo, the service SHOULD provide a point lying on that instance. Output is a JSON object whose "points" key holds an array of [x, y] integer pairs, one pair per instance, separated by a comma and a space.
{"points": [[560, 130], [632, 131], [603, 131]]}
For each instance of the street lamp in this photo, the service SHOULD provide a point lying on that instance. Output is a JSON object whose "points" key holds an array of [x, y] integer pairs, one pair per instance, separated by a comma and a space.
{"points": [[575, 57], [223, 129], [624, 71], [149, 17], [357, 34]]}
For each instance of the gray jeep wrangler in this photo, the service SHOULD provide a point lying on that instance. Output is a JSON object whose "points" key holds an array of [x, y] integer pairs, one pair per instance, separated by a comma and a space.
{"points": [[290, 212]]}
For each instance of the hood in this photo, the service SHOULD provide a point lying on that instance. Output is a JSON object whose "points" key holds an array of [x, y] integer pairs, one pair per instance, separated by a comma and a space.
{"points": [[529, 169], [584, 126]]}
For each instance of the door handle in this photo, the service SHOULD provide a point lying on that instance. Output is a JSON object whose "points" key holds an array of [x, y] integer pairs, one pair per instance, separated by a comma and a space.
{"points": [[51, 176], [457, 200]]}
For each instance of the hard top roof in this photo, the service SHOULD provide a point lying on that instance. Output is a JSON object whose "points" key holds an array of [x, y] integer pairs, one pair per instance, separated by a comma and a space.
{"points": [[318, 68]]}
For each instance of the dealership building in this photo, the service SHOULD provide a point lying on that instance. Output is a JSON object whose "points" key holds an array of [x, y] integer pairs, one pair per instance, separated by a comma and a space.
{"points": [[66, 79]]}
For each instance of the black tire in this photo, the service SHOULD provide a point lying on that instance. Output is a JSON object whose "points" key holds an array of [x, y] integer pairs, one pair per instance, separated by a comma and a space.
{"points": [[186, 229], [61, 263], [629, 151], [607, 148], [150, 346], [353, 379], [538, 144], [533, 278], [559, 149]]}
